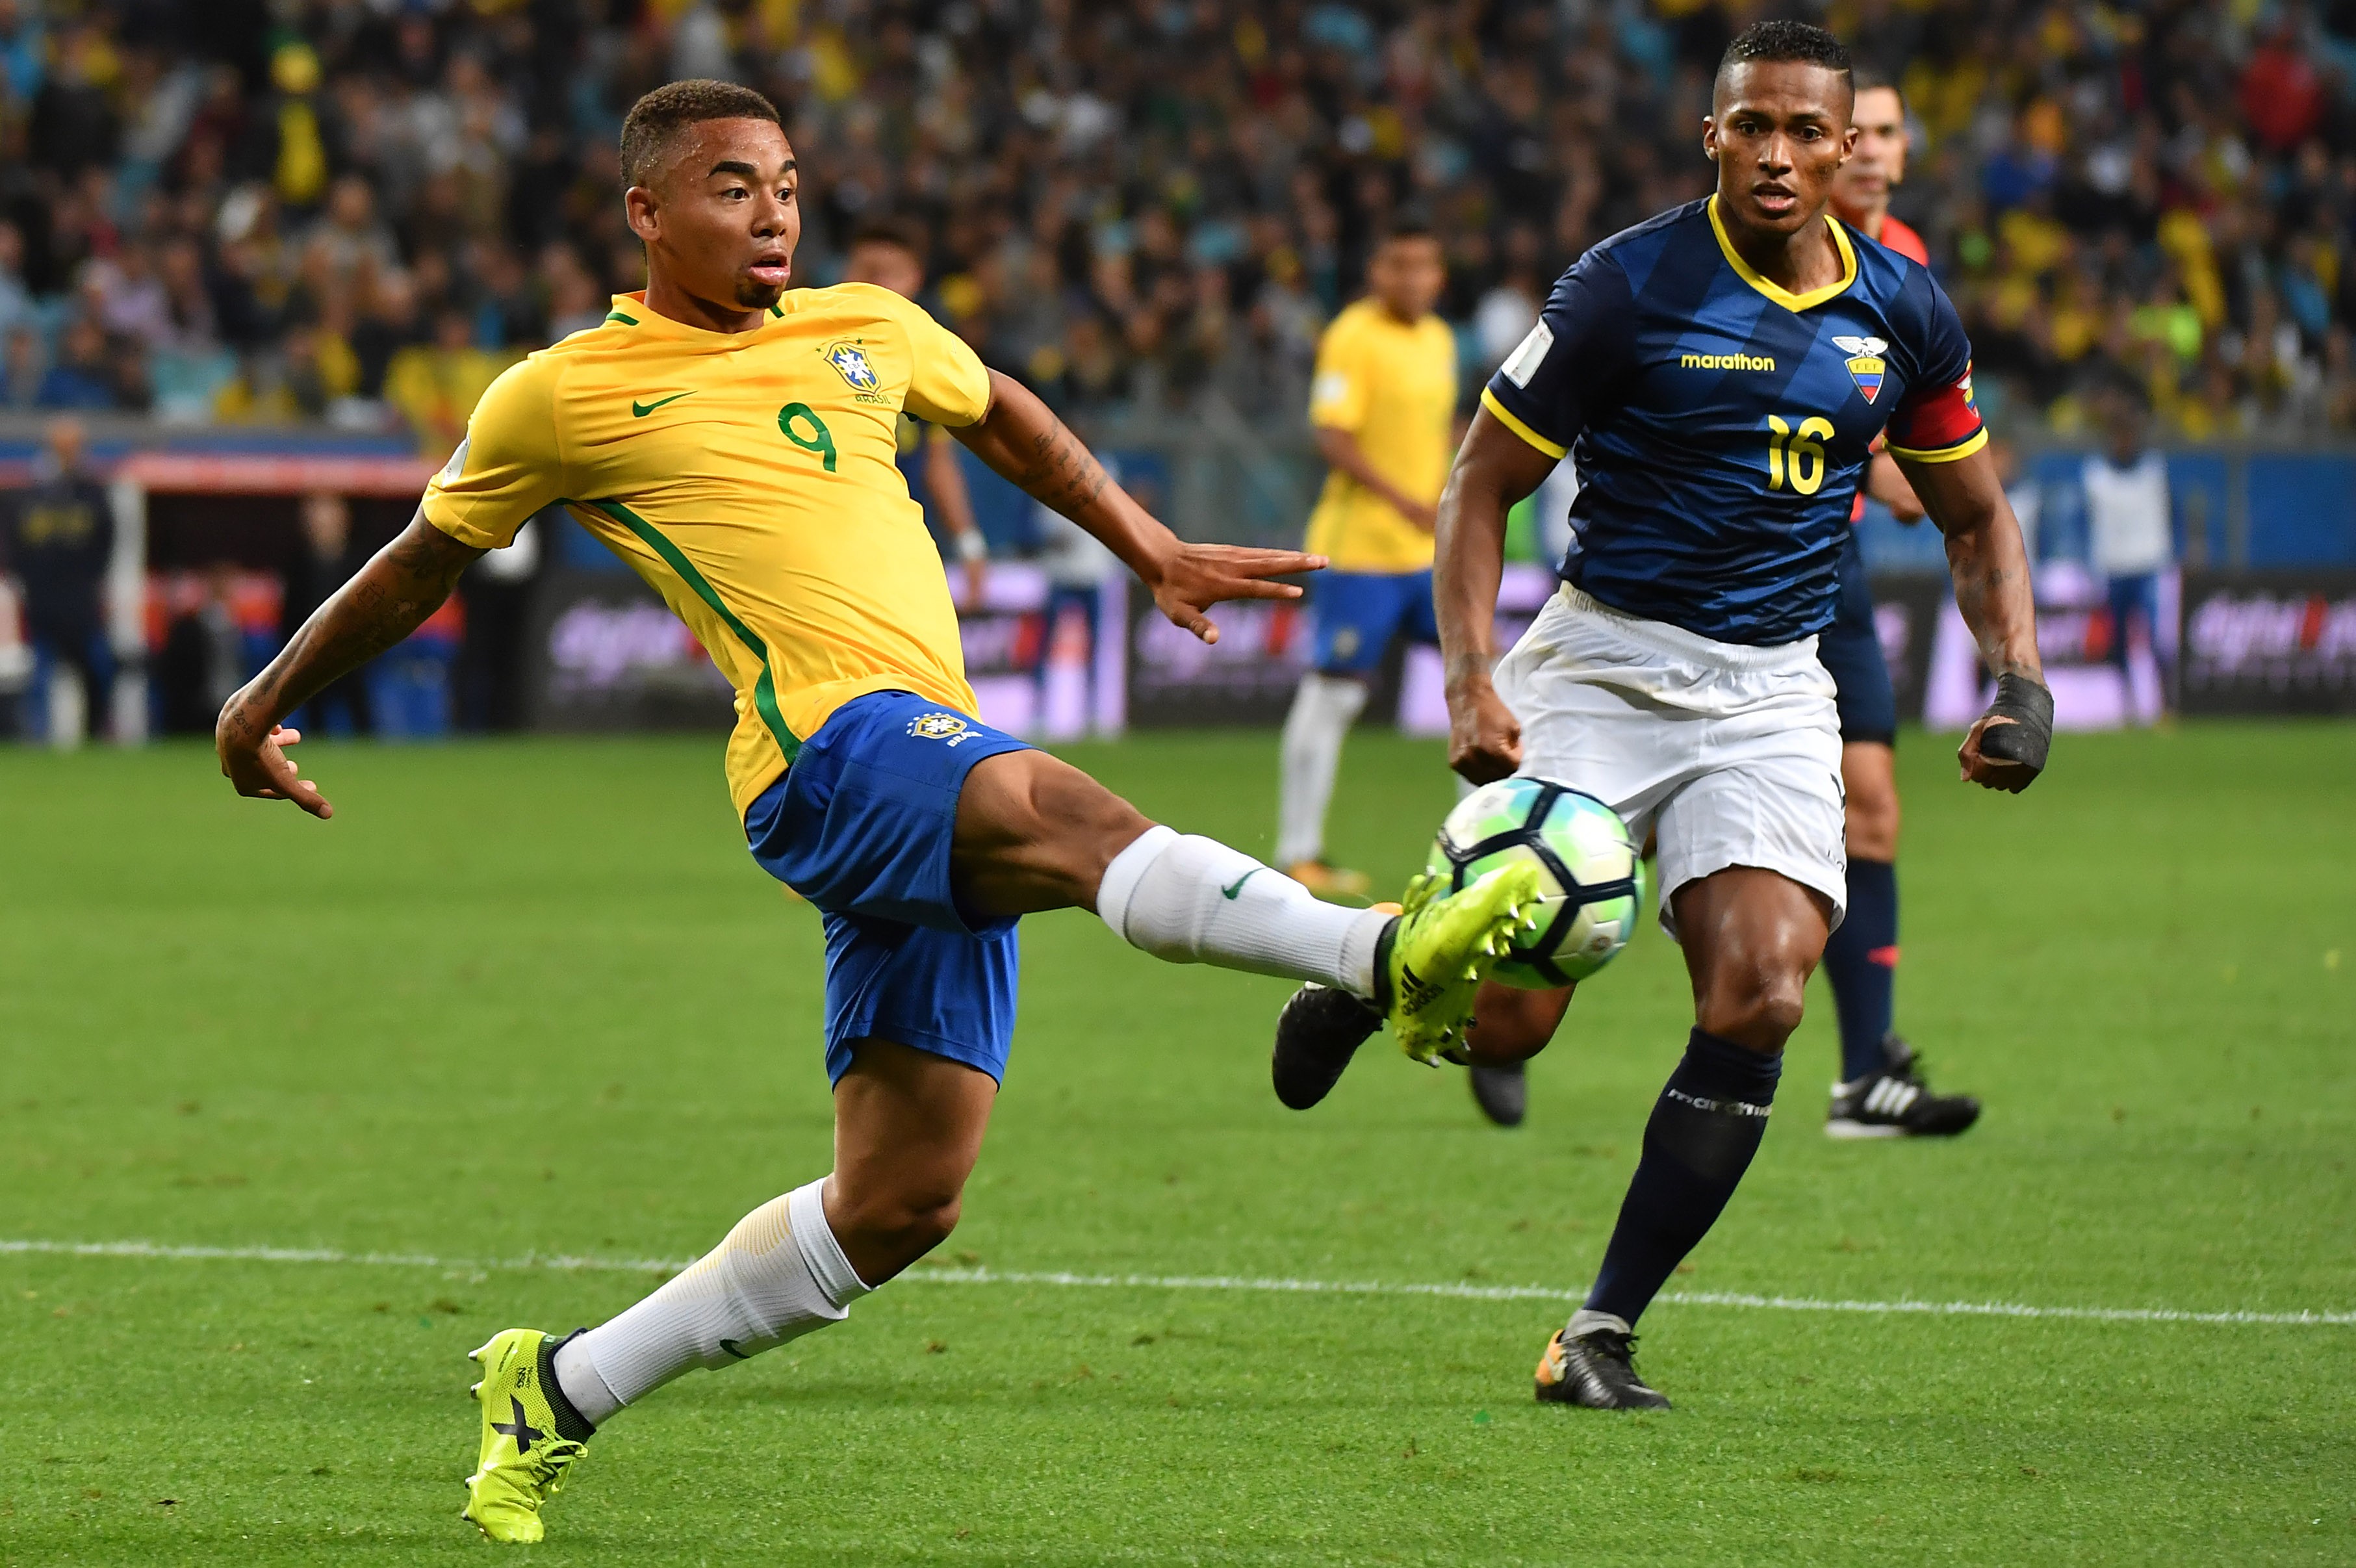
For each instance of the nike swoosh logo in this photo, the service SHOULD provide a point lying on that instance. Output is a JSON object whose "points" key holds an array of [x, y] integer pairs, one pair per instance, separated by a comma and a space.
{"points": [[1232, 888], [644, 409]]}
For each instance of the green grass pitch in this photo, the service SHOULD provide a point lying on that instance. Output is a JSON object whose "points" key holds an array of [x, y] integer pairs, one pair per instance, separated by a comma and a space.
{"points": [[535, 999]]}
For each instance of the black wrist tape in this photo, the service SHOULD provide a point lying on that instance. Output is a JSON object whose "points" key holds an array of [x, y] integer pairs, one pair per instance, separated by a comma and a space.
{"points": [[2029, 736]]}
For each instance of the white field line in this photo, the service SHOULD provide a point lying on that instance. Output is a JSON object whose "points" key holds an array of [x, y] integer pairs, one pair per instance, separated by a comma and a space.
{"points": [[1188, 1283]]}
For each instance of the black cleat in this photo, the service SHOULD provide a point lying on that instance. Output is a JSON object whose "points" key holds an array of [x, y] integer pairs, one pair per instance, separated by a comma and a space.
{"points": [[1503, 1094], [1597, 1371], [1897, 1102], [1319, 1031]]}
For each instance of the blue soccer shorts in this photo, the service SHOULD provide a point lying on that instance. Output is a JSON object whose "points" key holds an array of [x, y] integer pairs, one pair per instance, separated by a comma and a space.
{"points": [[861, 826], [1358, 614], [1850, 652]]}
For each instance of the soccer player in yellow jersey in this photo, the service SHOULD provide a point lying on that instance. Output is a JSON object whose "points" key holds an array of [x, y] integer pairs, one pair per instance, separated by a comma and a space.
{"points": [[1384, 407], [733, 443]]}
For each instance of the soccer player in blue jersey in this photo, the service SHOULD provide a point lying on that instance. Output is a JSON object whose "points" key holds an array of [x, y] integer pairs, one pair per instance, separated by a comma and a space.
{"points": [[1719, 374]]}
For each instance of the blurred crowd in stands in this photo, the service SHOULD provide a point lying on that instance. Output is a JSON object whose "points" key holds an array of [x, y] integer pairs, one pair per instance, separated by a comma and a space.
{"points": [[359, 210]]}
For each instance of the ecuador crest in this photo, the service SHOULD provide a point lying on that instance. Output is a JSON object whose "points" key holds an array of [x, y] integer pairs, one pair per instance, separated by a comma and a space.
{"points": [[1864, 363], [850, 361]]}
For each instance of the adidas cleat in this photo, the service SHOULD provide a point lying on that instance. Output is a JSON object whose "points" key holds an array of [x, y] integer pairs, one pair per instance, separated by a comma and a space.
{"points": [[1319, 1031], [1432, 959], [531, 1435], [1597, 1371], [1897, 1102]]}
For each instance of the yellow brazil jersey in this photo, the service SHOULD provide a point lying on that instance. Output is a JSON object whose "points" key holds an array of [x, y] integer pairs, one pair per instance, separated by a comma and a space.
{"points": [[751, 478], [1394, 387]]}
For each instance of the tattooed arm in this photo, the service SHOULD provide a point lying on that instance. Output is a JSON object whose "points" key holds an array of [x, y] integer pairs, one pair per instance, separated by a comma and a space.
{"points": [[1990, 569], [390, 597], [1022, 439]]}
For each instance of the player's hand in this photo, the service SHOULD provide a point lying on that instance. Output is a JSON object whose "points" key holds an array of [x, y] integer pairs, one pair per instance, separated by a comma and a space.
{"points": [[977, 583], [2006, 749], [1989, 772], [1484, 739], [1191, 578], [1425, 515], [259, 768]]}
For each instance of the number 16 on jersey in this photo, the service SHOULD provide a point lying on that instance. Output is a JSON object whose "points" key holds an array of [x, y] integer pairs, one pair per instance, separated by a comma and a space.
{"points": [[1798, 459]]}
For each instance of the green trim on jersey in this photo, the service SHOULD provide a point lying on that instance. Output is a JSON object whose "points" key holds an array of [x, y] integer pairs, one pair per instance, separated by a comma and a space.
{"points": [[625, 320], [765, 689]]}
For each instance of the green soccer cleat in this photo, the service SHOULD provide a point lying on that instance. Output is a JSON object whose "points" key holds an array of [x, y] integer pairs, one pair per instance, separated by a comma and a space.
{"points": [[1435, 955], [528, 1444]]}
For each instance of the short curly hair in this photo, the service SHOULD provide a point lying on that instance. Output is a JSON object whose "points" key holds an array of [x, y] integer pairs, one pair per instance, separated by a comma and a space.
{"points": [[670, 109], [1781, 38]]}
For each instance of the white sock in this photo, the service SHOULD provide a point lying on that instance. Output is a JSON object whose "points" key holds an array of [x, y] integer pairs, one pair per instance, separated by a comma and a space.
{"points": [[778, 1275], [1323, 708], [1586, 1320], [1195, 901]]}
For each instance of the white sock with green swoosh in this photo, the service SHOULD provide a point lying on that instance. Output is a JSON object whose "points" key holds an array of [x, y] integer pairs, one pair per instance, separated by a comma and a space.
{"points": [[778, 1276], [1194, 900]]}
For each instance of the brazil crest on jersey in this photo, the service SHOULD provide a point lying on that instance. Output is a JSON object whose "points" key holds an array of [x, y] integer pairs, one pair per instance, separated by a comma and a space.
{"points": [[1721, 423]]}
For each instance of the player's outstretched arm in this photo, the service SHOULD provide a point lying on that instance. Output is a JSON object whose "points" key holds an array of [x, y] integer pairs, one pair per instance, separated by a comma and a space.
{"points": [[2006, 749], [1495, 468], [389, 599], [1022, 439]]}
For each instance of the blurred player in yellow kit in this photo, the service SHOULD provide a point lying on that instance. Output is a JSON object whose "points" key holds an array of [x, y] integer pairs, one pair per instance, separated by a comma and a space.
{"points": [[1384, 407], [735, 443], [890, 253]]}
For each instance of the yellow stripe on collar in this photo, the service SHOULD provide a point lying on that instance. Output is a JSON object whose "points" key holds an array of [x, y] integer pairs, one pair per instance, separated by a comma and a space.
{"points": [[1776, 292]]}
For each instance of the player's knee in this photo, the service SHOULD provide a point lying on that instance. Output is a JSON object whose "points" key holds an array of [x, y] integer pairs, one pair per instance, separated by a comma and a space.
{"points": [[905, 1220], [1758, 1009], [925, 1225]]}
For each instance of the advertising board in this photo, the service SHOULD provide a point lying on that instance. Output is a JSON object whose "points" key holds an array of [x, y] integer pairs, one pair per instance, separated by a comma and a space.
{"points": [[2269, 642]]}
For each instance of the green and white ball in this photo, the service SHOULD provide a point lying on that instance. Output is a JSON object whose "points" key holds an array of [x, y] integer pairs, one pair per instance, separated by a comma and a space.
{"points": [[1590, 874]]}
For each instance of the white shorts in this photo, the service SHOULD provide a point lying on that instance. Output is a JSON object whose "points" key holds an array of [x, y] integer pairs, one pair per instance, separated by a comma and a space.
{"points": [[1732, 755]]}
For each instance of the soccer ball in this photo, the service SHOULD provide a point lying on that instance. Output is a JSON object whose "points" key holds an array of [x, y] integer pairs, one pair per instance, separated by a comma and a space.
{"points": [[1589, 875]]}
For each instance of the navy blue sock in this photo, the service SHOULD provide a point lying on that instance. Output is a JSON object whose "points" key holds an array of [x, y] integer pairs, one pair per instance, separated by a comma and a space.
{"points": [[1861, 962], [1704, 1128]]}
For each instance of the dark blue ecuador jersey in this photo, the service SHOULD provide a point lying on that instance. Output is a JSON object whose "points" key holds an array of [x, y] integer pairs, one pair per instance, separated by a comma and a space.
{"points": [[1721, 424]]}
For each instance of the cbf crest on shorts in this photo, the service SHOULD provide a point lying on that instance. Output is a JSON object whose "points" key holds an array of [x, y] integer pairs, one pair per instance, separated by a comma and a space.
{"points": [[947, 728]]}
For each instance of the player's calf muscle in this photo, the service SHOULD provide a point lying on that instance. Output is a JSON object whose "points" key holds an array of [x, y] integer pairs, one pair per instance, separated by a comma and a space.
{"points": [[883, 1232], [1510, 1024], [1869, 777], [908, 1128], [1035, 834]]}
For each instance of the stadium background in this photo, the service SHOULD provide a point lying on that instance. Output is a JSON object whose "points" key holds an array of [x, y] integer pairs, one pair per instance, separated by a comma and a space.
{"points": [[265, 249]]}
